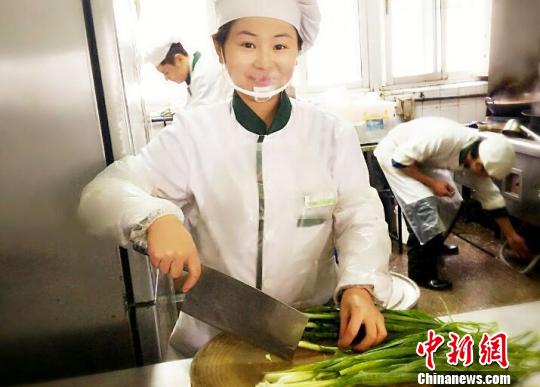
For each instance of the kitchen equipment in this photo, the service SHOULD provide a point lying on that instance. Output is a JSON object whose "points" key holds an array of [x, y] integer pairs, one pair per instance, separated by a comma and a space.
{"points": [[521, 187], [512, 70], [513, 128], [534, 119], [510, 106], [405, 293], [227, 361], [71, 303], [244, 311], [173, 373]]}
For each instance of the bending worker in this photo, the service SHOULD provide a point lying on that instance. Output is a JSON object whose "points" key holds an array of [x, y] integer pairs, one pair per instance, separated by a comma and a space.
{"points": [[202, 73], [260, 187], [416, 158]]}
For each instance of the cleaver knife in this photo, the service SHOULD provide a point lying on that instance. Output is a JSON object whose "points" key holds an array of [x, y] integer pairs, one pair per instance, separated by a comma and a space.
{"points": [[243, 311]]}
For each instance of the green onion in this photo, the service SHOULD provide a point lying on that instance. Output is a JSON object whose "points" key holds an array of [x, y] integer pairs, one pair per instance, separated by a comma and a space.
{"points": [[394, 361]]}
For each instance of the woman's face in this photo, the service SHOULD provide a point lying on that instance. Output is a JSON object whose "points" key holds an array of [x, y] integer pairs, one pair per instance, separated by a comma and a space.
{"points": [[260, 52]]}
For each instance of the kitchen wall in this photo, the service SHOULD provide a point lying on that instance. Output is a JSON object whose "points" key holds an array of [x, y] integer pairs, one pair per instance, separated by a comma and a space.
{"points": [[463, 110], [462, 102]]}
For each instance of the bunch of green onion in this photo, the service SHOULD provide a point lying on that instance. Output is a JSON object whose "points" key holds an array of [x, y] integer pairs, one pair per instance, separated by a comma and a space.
{"points": [[395, 360]]}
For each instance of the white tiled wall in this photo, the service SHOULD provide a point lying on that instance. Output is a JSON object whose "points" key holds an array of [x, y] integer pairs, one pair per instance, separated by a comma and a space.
{"points": [[459, 109], [462, 102]]}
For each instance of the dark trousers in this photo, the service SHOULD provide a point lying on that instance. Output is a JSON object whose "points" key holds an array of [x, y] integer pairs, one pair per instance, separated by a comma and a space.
{"points": [[422, 259]]}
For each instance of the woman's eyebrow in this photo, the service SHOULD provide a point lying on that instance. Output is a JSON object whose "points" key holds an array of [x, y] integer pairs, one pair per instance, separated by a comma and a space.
{"points": [[246, 33], [282, 35]]}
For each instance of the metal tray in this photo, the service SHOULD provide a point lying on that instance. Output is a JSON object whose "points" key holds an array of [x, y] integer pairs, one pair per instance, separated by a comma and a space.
{"points": [[405, 293]]}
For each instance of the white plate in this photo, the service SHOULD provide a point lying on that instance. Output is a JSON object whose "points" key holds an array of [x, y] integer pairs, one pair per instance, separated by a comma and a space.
{"points": [[405, 292]]}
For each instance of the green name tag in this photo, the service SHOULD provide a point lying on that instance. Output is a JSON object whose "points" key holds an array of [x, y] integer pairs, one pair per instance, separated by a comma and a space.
{"points": [[325, 201]]}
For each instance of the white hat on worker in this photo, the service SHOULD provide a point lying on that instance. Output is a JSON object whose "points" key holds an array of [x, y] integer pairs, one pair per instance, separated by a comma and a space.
{"points": [[304, 15], [497, 155], [156, 55]]}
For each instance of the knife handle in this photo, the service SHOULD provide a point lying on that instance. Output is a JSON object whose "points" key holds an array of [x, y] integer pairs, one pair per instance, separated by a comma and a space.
{"points": [[141, 246]]}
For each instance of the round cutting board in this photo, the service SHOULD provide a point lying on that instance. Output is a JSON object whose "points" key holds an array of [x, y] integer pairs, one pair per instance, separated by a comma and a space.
{"points": [[226, 361]]}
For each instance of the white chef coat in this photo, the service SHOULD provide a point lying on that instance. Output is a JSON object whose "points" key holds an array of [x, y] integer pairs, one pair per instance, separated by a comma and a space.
{"points": [[432, 143], [204, 169], [208, 84]]}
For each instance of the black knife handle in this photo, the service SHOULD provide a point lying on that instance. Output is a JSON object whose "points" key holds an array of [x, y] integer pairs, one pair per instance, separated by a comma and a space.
{"points": [[141, 246]]}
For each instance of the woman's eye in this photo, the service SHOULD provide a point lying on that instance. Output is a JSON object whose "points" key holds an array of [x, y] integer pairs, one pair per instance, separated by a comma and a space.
{"points": [[280, 47], [248, 45]]}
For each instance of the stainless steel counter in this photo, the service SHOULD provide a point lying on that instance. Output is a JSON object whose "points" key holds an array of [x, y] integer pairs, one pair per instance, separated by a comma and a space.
{"points": [[168, 374], [528, 147]]}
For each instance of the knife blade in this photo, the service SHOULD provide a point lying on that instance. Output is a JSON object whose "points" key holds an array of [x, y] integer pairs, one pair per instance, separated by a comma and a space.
{"points": [[242, 310]]}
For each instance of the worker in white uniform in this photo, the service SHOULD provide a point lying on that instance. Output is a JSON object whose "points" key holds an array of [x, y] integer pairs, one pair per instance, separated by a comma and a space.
{"points": [[204, 76], [263, 188], [416, 158]]}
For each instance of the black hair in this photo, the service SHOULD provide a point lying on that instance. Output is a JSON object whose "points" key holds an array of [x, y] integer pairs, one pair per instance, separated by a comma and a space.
{"points": [[473, 149], [222, 33], [175, 48], [220, 37]]}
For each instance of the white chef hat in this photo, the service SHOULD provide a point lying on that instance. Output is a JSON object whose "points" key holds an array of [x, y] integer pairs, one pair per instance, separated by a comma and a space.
{"points": [[497, 155], [158, 53], [304, 15]]}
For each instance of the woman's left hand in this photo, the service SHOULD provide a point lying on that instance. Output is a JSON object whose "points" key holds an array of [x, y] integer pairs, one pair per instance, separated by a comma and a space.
{"points": [[357, 308]]}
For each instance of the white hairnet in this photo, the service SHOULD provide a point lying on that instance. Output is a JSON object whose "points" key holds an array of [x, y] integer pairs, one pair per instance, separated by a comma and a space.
{"points": [[497, 155], [304, 15]]}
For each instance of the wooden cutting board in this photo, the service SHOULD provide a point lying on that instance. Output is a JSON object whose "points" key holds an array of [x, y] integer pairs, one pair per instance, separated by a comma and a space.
{"points": [[226, 361]]}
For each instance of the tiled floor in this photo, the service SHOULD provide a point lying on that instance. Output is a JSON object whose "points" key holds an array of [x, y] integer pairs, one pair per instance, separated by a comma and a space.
{"points": [[480, 279]]}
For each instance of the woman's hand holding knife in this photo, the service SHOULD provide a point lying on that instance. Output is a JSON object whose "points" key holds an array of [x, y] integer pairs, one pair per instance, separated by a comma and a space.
{"points": [[171, 249]]}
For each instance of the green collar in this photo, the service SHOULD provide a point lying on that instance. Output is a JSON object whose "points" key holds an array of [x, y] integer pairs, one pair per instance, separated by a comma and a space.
{"points": [[252, 122], [463, 153], [196, 57]]}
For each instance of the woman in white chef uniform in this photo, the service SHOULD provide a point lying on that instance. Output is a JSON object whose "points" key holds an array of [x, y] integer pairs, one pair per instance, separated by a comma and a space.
{"points": [[205, 78], [416, 158], [262, 187]]}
